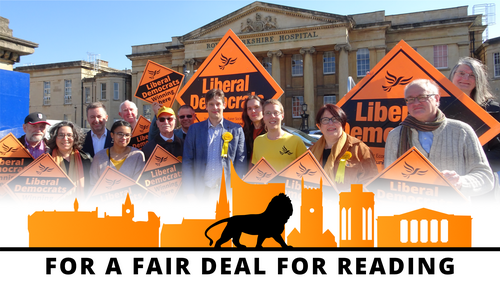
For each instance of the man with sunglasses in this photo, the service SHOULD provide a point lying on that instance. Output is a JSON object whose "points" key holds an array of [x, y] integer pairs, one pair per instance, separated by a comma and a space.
{"points": [[165, 121], [450, 145], [186, 117]]}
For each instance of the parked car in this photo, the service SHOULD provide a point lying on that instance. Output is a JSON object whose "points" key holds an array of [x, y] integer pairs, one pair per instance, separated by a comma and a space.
{"points": [[307, 139], [315, 134]]}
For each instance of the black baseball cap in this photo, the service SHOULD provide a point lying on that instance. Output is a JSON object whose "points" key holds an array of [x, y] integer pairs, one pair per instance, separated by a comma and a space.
{"points": [[35, 118]]}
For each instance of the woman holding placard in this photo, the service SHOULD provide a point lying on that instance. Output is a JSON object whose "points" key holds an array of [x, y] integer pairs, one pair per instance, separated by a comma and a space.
{"points": [[345, 159], [470, 76], [66, 142], [126, 159]]}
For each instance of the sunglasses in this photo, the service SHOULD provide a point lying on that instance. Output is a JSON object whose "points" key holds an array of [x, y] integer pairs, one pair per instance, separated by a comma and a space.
{"points": [[185, 116], [162, 119]]}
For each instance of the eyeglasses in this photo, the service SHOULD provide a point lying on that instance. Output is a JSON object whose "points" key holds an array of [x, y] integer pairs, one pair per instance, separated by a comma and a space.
{"points": [[464, 75], [419, 98], [326, 120], [123, 135], [185, 116], [62, 136], [162, 119], [272, 113]]}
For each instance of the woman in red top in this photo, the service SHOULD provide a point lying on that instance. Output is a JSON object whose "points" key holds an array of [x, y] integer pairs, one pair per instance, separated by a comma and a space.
{"points": [[253, 123]]}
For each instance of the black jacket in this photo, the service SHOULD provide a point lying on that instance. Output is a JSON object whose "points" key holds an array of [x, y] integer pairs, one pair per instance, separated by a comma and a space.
{"points": [[175, 148], [88, 146]]}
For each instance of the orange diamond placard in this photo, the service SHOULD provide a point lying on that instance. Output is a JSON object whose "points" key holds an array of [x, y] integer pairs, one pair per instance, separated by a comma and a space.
{"points": [[162, 174], [41, 181], [232, 68], [261, 172], [413, 179], [308, 168], [140, 133], [159, 84], [376, 104], [13, 158], [114, 186]]}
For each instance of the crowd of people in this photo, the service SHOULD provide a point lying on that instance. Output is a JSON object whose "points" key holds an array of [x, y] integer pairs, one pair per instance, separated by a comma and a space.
{"points": [[207, 148]]}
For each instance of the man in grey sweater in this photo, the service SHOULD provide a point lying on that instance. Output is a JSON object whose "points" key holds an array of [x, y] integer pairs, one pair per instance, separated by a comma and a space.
{"points": [[450, 145]]}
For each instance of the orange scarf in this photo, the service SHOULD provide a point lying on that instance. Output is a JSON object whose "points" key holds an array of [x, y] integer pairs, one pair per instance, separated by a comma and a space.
{"points": [[75, 172]]}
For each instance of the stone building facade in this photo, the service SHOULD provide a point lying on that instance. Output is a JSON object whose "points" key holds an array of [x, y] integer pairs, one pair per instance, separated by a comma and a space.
{"points": [[12, 48], [312, 54], [489, 54], [62, 90]]}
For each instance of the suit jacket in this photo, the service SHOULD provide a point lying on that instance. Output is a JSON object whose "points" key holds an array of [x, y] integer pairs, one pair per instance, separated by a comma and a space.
{"points": [[88, 146], [194, 159], [175, 147], [155, 131]]}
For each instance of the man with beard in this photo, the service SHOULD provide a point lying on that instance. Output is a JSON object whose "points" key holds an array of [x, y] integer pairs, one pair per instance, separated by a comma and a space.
{"points": [[34, 126], [98, 137], [166, 138]]}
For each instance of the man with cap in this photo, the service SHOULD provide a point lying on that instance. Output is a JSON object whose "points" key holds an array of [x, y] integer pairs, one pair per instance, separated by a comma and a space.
{"points": [[34, 126], [186, 116], [165, 120]]}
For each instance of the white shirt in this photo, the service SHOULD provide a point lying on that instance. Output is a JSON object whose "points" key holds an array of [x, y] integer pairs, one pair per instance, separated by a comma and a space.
{"points": [[97, 142]]}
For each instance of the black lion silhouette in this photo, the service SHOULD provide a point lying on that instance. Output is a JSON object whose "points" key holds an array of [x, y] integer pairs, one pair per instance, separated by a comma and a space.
{"points": [[270, 223]]}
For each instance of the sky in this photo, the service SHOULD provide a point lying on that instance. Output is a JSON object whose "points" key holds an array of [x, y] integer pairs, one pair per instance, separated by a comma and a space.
{"points": [[69, 30]]}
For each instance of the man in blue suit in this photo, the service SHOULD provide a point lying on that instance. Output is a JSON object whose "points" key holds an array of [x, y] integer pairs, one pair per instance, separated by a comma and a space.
{"points": [[98, 137], [202, 162]]}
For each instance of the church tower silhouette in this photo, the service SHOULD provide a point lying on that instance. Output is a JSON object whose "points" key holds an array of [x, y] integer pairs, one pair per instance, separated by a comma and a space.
{"points": [[357, 217]]}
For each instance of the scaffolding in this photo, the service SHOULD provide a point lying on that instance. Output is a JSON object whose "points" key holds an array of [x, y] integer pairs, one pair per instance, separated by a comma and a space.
{"points": [[488, 15]]}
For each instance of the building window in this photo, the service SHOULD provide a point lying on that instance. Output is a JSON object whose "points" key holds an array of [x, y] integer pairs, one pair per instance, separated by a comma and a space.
{"points": [[297, 65], [329, 99], [46, 93], [363, 61], [67, 91], [65, 117], [116, 91], [328, 63], [103, 91], [268, 65], [297, 106], [87, 94], [496, 64], [441, 56]]}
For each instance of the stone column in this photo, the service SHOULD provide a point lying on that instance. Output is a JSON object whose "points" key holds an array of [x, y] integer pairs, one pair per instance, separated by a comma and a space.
{"points": [[276, 73], [343, 68], [189, 63], [309, 83]]}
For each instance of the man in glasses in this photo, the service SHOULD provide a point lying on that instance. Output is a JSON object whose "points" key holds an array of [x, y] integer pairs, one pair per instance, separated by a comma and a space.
{"points": [[450, 145], [186, 117], [165, 121]]}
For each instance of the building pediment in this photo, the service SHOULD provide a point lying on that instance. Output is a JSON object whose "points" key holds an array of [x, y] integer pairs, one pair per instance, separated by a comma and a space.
{"points": [[260, 17]]}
